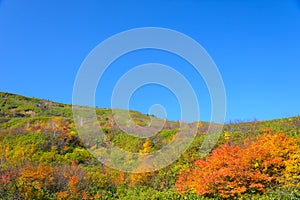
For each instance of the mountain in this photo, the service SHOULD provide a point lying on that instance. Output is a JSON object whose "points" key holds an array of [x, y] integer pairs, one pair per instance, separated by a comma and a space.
{"points": [[43, 157]]}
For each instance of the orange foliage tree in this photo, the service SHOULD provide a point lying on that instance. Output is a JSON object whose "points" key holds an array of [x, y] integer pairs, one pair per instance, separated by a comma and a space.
{"points": [[232, 170], [35, 181]]}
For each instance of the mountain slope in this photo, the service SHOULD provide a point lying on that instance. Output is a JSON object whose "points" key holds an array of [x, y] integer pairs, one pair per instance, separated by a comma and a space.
{"points": [[42, 156]]}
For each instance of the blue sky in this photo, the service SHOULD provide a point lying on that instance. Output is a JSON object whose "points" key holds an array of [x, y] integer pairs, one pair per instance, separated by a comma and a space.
{"points": [[255, 44]]}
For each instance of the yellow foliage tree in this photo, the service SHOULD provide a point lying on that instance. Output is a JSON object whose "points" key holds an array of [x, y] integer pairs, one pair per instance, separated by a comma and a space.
{"points": [[147, 147], [291, 177], [142, 178]]}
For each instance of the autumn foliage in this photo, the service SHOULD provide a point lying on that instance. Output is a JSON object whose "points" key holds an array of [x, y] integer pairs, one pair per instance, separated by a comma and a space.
{"points": [[142, 178], [234, 170], [34, 181], [43, 157]]}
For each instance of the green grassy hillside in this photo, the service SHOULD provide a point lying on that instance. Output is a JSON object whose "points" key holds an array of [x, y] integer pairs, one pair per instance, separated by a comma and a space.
{"points": [[42, 157]]}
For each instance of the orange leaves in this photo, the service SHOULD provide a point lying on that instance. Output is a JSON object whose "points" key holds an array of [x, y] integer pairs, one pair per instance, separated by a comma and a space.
{"points": [[62, 195], [231, 170], [72, 192], [140, 178], [267, 130], [49, 125], [72, 185], [71, 178], [39, 173], [227, 173], [34, 181], [270, 151]]}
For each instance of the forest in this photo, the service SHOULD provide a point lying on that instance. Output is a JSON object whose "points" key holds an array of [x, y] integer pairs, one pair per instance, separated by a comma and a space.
{"points": [[42, 157]]}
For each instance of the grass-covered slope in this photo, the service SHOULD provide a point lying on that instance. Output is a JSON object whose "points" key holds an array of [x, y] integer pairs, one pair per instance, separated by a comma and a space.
{"points": [[42, 157]]}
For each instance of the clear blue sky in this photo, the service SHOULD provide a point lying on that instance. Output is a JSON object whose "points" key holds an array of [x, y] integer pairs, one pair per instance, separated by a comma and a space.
{"points": [[254, 43]]}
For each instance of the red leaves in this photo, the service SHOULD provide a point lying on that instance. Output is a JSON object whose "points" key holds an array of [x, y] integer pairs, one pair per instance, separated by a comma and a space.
{"points": [[231, 170], [6, 178]]}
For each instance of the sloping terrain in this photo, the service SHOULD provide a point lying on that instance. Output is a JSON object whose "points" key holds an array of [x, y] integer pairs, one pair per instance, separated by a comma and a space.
{"points": [[42, 157]]}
